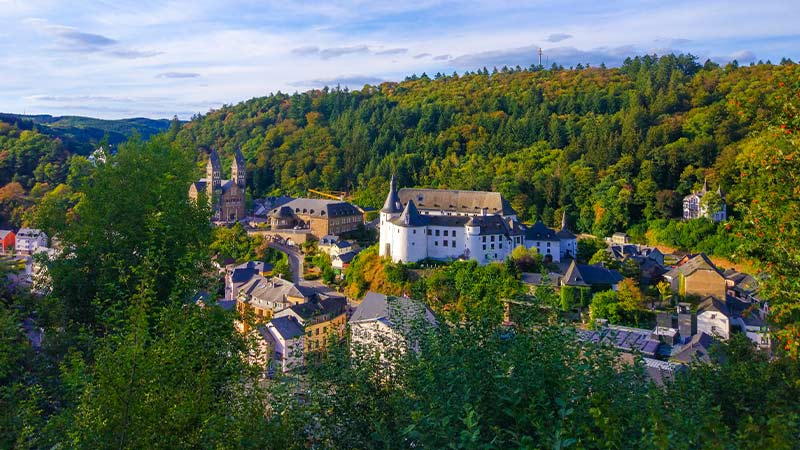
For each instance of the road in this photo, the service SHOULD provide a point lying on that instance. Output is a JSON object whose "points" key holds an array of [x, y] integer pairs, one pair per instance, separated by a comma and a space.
{"points": [[295, 259]]}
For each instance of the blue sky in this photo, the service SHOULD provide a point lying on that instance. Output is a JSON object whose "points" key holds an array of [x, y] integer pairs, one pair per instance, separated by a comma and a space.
{"points": [[114, 59]]}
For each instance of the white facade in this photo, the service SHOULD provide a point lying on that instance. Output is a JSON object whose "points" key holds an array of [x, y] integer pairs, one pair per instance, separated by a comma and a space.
{"points": [[693, 207], [714, 323], [466, 230], [288, 353], [30, 240]]}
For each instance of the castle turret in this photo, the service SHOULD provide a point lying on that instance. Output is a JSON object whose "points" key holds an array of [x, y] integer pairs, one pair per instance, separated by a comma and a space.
{"points": [[392, 204], [238, 169]]}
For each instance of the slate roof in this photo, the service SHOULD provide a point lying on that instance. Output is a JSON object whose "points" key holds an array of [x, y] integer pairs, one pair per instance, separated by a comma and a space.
{"points": [[696, 350], [4, 233], [262, 290], [698, 262], [319, 208], [564, 232], [470, 202], [31, 233], [494, 224], [587, 275], [347, 257], [393, 311], [392, 205], [320, 305], [410, 217], [447, 221], [287, 327], [200, 185], [623, 338], [213, 157], [540, 232], [713, 304]]}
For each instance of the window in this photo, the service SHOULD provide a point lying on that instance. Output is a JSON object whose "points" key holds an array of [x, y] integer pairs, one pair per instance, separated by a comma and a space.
{"points": [[413, 231], [436, 243], [437, 232], [317, 332], [445, 232], [484, 240], [484, 246], [453, 244], [444, 243], [430, 232], [548, 244], [492, 246], [492, 238], [501, 245], [548, 251]]}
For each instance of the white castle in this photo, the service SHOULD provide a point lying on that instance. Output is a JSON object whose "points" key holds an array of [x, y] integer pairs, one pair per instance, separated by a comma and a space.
{"points": [[416, 224]]}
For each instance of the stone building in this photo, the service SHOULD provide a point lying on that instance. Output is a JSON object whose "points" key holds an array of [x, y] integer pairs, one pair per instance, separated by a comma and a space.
{"points": [[227, 197], [320, 217], [698, 276]]}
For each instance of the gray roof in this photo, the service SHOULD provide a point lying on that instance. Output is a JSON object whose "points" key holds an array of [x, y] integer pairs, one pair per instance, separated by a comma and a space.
{"points": [[696, 350], [274, 290], [320, 305], [587, 275], [698, 262], [410, 217], [392, 204], [346, 257], [238, 158], [393, 311], [287, 327], [29, 233], [213, 157], [494, 224], [472, 202], [540, 232], [319, 208], [711, 303], [4, 233]]}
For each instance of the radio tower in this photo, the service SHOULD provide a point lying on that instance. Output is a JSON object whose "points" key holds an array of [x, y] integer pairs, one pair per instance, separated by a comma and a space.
{"points": [[540, 56]]}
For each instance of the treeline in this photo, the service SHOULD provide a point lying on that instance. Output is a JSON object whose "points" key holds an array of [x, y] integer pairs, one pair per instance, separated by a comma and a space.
{"points": [[615, 147]]}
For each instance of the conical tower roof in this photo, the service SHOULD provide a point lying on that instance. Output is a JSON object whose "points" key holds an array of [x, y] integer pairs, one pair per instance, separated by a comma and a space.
{"points": [[564, 232], [214, 158], [392, 204], [239, 158], [411, 216]]}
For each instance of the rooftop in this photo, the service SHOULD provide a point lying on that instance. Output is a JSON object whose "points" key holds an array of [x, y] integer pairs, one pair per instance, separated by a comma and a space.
{"points": [[468, 202]]}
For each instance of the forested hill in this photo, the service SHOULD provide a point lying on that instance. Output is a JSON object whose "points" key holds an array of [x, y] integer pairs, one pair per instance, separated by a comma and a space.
{"points": [[615, 146], [82, 133]]}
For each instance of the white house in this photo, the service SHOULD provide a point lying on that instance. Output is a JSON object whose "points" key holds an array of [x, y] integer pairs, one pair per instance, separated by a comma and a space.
{"points": [[416, 224], [714, 318], [30, 240], [285, 335], [385, 324], [694, 208]]}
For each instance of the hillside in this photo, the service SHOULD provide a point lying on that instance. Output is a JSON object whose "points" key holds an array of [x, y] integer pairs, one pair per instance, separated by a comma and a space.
{"points": [[616, 147], [84, 132]]}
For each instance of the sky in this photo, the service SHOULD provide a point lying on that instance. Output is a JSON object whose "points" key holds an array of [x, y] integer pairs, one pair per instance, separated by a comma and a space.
{"points": [[158, 59]]}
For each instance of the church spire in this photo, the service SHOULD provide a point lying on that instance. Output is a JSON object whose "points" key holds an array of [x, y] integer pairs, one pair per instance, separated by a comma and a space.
{"points": [[564, 219], [238, 169], [705, 185], [392, 204]]}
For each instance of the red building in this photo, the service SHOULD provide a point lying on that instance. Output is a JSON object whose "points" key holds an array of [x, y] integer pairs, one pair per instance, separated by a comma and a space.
{"points": [[7, 241]]}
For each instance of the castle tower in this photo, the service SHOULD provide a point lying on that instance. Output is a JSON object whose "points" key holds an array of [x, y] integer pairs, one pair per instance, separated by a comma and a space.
{"points": [[213, 172], [391, 210], [238, 169]]}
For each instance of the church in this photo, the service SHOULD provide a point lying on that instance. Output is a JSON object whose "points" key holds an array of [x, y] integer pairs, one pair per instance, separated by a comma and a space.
{"points": [[417, 224], [226, 196]]}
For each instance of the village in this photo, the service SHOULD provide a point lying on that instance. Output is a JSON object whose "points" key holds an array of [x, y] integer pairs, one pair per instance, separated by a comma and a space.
{"points": [[698, 303], [294, 318]]}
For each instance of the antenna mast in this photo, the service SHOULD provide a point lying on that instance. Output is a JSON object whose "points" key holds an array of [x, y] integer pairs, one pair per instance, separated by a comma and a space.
{"points": [[540, 56]]}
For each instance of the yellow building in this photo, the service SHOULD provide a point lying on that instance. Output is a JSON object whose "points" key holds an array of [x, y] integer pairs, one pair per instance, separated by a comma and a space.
{"points": [[321, 317]]}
